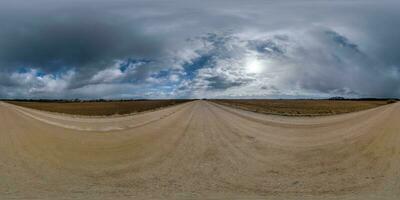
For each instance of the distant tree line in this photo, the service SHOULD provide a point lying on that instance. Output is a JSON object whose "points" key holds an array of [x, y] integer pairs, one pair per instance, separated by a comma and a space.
{"points": [[362, 99], [89, 100], [336, 98]]}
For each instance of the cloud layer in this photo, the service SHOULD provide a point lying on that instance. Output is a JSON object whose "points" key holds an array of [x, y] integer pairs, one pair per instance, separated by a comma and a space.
{"points": [[181, 49]]}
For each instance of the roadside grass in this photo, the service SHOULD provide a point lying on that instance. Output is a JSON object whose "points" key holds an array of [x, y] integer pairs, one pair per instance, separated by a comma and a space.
{"points": [[303, 107], [98, 108]]}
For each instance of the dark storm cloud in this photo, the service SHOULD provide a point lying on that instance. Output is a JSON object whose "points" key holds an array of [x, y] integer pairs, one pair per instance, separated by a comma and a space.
{"points": [[56, 37], [75, 39]]}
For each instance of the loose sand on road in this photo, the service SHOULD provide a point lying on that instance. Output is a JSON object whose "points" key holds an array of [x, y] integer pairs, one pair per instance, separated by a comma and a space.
{"points": [[199, 150]]}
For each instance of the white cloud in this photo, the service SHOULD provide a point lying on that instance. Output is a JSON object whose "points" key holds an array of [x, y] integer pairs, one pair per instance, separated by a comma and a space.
{"points": [[32, 82], [314, 61]]}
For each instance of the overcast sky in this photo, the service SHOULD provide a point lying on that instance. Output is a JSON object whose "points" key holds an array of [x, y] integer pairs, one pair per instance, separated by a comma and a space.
{"points": [[199, 49]]}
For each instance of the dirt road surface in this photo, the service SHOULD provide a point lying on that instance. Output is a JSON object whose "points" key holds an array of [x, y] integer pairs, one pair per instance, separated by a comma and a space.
{"points": [[199, 150]]}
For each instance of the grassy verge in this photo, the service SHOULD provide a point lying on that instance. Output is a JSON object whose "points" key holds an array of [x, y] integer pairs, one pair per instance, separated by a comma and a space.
{"points": [[98, 108], [302, 107]]}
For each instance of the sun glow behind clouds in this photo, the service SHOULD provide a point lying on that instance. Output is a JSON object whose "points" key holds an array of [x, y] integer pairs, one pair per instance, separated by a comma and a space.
{"points": [[254, 66]]}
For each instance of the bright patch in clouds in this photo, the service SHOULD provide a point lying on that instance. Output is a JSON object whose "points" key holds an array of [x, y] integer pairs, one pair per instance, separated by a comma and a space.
{"points": [[254, 66]]}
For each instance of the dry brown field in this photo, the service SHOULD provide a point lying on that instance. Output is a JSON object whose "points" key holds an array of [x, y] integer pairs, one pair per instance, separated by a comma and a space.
{"points": [[302, 107], [99, 108]]}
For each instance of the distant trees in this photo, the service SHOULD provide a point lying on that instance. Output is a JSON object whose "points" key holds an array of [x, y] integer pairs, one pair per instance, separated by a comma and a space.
{"points": [[337, 98]]}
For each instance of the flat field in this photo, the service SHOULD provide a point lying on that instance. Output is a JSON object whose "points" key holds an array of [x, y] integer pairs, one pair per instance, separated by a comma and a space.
{"points": [[99, 108], [302, 107]]}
